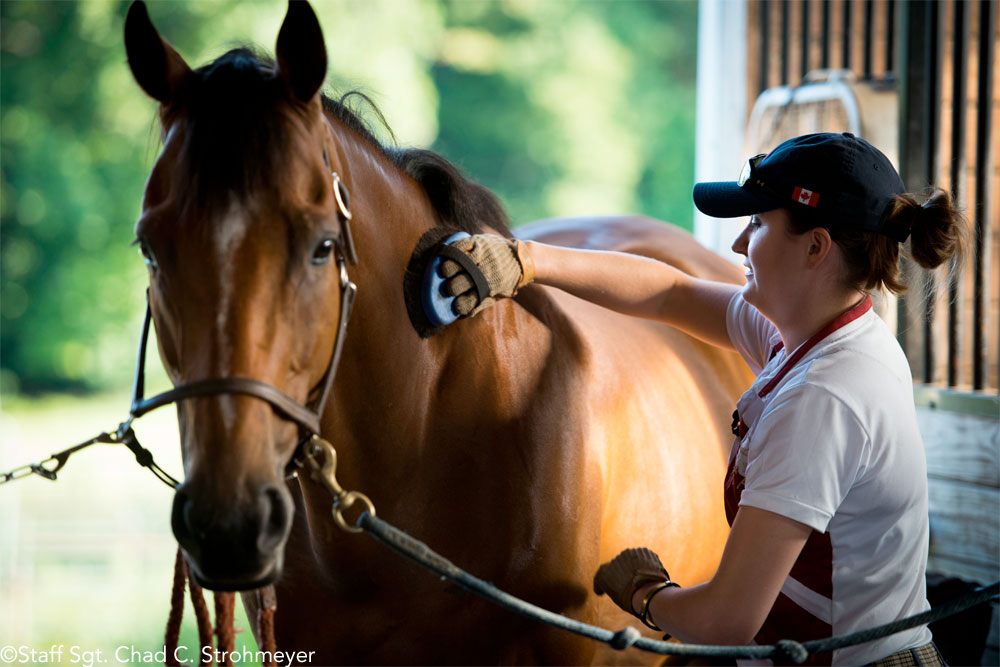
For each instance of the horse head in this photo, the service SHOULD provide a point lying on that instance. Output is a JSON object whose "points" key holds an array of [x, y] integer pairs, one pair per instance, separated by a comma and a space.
{"points": [[244, 231]]}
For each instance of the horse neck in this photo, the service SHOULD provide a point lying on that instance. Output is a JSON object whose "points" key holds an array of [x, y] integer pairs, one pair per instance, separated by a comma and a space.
{"points": [[394, 388], [390, 213]]}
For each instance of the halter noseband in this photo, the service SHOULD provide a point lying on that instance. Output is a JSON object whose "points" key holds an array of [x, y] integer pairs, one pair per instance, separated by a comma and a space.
{"points": [[307, 416]]}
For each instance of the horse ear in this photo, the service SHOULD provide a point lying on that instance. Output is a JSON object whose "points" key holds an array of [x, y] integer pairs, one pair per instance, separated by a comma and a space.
{"points": [[301, 51], [156, 66]]}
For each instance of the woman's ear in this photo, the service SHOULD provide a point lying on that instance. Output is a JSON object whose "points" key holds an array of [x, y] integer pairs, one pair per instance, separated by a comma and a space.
{"points": [[820, 245]]}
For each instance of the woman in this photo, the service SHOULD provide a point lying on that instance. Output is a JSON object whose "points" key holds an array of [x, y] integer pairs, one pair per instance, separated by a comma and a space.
{"points": [[826, 491]]}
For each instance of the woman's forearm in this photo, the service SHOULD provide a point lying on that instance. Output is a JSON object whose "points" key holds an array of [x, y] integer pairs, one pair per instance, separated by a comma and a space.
{"points": [[637, 286], [625, 283], [732, 606]]}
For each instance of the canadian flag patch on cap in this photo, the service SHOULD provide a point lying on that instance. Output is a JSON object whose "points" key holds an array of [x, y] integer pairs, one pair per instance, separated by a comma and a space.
{"points": [[807, 197]]}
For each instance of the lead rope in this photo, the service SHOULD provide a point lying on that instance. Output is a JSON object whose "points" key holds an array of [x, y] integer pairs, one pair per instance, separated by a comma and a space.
{"points": [[225, 631], [267, 604], [201, 616], [173, 633]]}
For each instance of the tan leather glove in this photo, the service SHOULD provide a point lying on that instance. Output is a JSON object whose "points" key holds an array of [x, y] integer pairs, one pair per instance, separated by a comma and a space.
{"points": [[626, 573], [504, 264]]}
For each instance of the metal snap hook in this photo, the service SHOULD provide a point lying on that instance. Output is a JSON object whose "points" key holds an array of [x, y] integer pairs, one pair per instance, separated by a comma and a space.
{"points": [[325, 472]]}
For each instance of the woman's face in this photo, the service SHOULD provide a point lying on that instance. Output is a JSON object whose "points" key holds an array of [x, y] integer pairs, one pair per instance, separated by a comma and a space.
{"points": [[775, 260]]}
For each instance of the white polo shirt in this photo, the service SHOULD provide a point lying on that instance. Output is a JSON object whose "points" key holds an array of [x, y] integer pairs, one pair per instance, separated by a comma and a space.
{"points": [[828, 437]]}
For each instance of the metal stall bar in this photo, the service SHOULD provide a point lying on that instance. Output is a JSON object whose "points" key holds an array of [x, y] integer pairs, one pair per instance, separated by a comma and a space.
{"points": [[765, 46], [824, 61], [929, 170], [917, 140], [890, 34], [959, 74], [867, 60], [784, 44], [845, 54], [987, 63], [804, 41]]}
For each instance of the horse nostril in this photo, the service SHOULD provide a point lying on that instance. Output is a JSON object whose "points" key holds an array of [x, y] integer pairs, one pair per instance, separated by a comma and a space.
{"points": [[180, 519], [275, 511], [190, 528]]}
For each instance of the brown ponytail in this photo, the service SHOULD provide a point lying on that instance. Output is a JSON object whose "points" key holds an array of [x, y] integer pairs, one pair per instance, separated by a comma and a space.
{"points": [[937, 231]]}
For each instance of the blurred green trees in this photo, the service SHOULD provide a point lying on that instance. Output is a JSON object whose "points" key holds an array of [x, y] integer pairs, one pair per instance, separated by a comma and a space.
{"points": [[562, 107]]}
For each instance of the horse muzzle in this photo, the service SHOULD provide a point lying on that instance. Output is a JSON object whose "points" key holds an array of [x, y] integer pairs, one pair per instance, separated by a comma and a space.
{"points": [[229, 546]]}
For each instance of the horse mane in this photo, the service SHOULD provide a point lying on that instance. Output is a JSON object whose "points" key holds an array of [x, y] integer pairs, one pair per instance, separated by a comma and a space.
{"points": [[457, 201], [223, 150]]}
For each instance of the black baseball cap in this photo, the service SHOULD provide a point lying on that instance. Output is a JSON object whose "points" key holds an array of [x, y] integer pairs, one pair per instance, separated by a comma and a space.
{"points": [[837, 179]]}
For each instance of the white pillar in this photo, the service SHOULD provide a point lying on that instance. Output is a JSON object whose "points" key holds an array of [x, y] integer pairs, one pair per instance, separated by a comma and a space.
{"points": [[721, 111]]}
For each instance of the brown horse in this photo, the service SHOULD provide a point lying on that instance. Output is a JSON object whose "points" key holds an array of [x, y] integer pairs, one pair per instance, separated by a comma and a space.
{"points": [[526, 444]]}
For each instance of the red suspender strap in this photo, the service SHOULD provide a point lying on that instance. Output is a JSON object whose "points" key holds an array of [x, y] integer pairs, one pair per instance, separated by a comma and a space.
{"points": [[843, 320]]}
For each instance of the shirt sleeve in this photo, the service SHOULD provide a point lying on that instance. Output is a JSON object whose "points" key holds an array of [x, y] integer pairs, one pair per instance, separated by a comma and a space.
{"points": [[752, 334], [804, 456]]}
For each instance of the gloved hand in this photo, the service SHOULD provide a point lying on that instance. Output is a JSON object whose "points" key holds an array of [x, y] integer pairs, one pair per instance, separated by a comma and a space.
{"points": [[626, 573], [503, 262]]}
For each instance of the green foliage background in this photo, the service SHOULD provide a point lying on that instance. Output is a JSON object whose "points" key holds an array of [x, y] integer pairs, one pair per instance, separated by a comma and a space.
{"points": [[560, 106]]}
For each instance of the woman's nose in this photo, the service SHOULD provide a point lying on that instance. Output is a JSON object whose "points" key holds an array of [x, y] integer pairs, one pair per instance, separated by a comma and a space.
{"points": [[740, 244]]}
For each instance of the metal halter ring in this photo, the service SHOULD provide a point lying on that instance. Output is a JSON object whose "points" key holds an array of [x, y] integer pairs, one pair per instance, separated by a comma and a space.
{"points": [[340, 192], [343, 198]]}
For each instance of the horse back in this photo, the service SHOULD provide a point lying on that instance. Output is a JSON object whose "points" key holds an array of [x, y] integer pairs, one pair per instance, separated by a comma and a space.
{"points": [[638, 235]]}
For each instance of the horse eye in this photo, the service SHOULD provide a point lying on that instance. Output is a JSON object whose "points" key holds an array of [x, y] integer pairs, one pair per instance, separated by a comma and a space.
{"points": [[323, 252], [147, 255]]}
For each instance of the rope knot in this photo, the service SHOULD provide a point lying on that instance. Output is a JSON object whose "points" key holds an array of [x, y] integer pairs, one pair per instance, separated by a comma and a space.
{"points": [[786, 650], [624, 638]]}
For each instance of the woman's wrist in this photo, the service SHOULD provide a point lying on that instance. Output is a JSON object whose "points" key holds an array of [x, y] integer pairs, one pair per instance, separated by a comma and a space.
{"points": [[527, 262], [639, 596], [642, 600], [526, 254]]}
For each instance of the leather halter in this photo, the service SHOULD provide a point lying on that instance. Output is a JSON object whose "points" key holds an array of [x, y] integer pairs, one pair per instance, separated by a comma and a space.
{"points": [[307, 416]]}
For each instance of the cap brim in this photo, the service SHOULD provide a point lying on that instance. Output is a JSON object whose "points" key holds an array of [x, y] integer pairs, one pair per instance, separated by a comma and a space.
{"points": [[726, 199]]}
